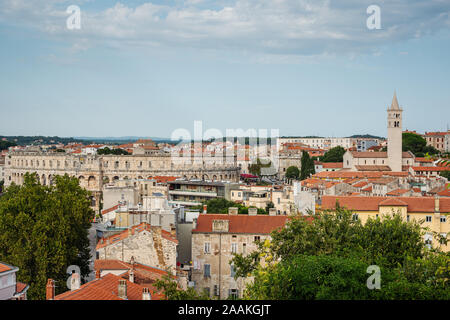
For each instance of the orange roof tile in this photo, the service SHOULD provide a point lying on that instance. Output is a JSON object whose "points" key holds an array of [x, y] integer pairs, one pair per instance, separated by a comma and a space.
{"points": [[332, 165], [415, 204], [4, 267], [431, 168], [382, 154], [126, 233], [110, 209], [20, 287], [106, 288], [397, 192], [259, 224]]}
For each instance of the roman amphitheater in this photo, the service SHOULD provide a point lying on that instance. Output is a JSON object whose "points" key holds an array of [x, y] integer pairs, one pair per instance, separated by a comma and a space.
{"points": [[94, 171]]}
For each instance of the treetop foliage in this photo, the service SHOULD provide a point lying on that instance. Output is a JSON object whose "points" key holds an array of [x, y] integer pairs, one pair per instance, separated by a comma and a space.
{"points": [[44, 230], [326, 257]]}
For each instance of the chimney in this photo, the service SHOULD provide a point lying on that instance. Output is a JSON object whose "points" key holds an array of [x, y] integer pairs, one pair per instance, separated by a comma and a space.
{"points": [[436, 204], [131, 275], [252, 211], [232, 210], [205, 208], [122, 289], [146, 294], [50, 289], [272, 212], [97, 274]]}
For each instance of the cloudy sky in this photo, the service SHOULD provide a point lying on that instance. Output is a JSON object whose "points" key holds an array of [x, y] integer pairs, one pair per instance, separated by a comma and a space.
{"points": [[146, 68]]}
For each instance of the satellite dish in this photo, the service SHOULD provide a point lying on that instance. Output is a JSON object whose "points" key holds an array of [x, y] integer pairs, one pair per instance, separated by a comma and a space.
{"points": [[108, 224]]}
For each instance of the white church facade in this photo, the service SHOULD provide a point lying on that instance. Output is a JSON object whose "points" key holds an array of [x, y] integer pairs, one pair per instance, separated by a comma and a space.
{"points": [[394, 159]]}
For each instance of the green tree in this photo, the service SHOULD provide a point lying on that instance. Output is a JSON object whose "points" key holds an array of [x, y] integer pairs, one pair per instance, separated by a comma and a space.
{"points": [[416, 144], [4, 145], [170, 288], [114, 151], [326, 257], [307, 166], [335, 154], [44, 230], [445, 174], [292, 172]]}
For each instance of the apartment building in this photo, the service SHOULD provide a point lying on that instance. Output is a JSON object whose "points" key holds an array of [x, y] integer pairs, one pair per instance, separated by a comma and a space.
{"points": [[433, 211], [216, 237], [194, 192]]}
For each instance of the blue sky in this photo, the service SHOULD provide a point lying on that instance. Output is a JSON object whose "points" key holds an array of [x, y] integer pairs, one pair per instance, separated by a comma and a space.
{"points": [[146, 68]]}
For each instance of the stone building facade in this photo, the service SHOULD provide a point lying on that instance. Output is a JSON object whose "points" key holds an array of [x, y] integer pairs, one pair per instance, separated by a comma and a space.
{"points": [[149, 245], [215, 237], [94, 171]]}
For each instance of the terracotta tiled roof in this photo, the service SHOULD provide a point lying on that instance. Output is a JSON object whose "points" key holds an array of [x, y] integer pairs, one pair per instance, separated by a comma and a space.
{"points": [[4, 268], [110, 209], [436, 133], [397, 192], [126, 233], [393, 202], [333, 165], [164, 179], [444, 193], [106, 288], [360, 184], [382, 154], [145, 272], [357, 174], [415, 204], [20, 287], [420, 159], [367, 189], [259, 224], [431, 169]]}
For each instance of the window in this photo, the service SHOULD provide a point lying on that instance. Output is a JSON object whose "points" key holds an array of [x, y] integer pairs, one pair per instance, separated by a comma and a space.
{"points": [[355, 217], [234, 248], [428, 218], [207, 247], [232, 271], [233, 293], [407, 218], [257, 238], [216, 290], [244, 248], [443, 239], [443, 219], [207, 271], [428, 239]]}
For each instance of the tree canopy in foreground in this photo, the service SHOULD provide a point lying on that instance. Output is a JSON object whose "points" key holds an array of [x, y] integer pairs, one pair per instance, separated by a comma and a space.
{"points": [[327, 258], [44, 230]]}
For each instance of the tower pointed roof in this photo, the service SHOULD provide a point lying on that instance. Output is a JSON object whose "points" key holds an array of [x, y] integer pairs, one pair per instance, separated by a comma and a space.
{"points": [[394, 104]]}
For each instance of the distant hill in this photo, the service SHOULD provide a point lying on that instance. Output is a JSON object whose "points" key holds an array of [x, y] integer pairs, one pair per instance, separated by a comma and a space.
{"points": [[42, 140], [38, 140], [367, 136]]}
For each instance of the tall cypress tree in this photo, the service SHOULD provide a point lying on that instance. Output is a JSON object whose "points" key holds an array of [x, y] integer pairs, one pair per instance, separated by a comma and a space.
{"points": [[307, 168]]}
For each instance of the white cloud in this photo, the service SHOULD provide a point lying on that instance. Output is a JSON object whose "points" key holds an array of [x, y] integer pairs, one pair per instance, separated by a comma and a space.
{"points": [[262, 27]]}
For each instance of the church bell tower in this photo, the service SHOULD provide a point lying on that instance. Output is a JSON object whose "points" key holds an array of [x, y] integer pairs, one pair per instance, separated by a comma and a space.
{"points": [[394, 144]]}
